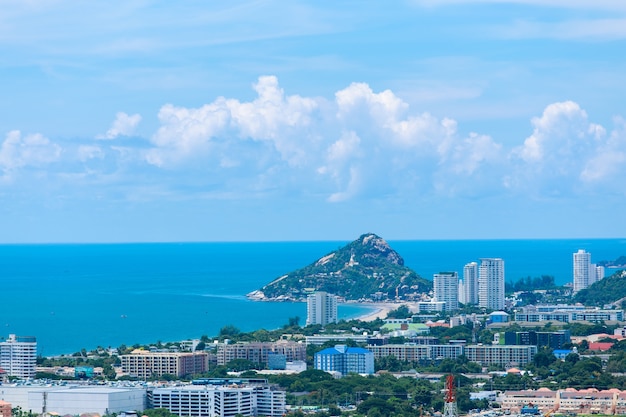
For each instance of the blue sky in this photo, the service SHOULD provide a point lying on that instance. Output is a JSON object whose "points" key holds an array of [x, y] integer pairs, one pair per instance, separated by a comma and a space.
{"points": [[272, 120]]}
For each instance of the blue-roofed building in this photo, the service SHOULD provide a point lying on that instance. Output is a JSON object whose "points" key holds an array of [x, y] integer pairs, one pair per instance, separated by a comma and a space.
{"points": [[345, 360]]}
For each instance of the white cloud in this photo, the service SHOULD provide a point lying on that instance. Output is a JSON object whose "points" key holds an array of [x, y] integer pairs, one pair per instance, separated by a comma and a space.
{"points": [[18, 151], [272, 117], [123, 125]]}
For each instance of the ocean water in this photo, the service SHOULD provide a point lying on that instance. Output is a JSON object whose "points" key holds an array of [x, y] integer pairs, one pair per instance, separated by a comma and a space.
{"points": [[83, 296]]}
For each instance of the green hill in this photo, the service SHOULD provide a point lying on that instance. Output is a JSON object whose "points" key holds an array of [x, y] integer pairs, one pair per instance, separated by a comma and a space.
{"points": [[605, 291], [367, 268]]}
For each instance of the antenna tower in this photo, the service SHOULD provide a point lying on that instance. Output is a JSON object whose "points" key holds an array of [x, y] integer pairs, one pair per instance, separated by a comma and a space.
{"points": [[449, 408]]}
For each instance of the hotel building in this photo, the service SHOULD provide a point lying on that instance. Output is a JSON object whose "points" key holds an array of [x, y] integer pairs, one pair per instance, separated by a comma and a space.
{"points": [[144, 364], [259, 352], [470, 282], [446, 287], [18, 356], [321, 308], [505, 355], [491, 284]]}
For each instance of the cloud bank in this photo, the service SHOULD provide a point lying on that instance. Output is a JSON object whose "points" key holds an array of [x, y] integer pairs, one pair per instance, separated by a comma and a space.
{"points": [[358, 144]]}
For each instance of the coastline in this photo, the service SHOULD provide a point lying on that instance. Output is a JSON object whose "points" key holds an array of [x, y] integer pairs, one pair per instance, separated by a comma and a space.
{"points": [[381, 310]]}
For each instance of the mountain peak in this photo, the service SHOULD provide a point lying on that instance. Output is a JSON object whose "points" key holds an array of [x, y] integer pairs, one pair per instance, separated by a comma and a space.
{"points": [[367, 268]]}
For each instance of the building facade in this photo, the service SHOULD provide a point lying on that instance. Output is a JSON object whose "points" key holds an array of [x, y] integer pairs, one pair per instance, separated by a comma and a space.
{"points": [[321, 308], [219, 401], [446, 287], [18, 356], [345, 360], [470, 280], [259, 352], [566, 314], [415, 353], [503, 355], [491, 283], [144, 364]]}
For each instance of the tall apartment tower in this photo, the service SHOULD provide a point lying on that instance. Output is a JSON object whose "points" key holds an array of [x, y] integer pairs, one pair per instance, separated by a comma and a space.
{"points": [[321, 308], [491, 283], [18, 356], [446, 286], [470, 279], [584, 274]]}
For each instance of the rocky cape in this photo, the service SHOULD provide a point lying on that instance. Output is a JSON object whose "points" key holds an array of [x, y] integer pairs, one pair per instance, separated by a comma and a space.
{"points": [[366, 269]]}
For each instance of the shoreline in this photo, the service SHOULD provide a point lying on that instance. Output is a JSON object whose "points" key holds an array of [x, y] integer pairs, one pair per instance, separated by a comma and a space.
{"points": [[381, 310]]}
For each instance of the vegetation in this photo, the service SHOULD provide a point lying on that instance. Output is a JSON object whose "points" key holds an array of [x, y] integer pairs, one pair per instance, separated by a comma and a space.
{"points": [[367, 268], [605, 291]]}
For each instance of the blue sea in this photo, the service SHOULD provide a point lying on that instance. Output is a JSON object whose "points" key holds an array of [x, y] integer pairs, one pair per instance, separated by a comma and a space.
{"points": [[87, 295]]}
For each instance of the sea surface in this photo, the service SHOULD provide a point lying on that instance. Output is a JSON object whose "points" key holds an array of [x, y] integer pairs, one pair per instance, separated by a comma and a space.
{"points": [[87, 295]]}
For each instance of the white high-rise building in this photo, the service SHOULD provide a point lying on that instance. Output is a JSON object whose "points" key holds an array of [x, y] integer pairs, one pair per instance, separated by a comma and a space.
{"points": [[470, 279], [321, 308], [462, 293], [599, 273], [491, 283], [446, 286], [584, 274], [18, 356]]}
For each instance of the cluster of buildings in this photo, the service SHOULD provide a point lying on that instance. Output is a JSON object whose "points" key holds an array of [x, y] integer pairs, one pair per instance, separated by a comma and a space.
{"points": [[481, 284]]}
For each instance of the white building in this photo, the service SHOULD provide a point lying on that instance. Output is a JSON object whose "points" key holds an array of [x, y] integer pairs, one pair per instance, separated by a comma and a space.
{"points": [[491, 283], [446, 286], [73, 400], [584, 276], [18, 356], [470, 280], [222, 401], [321, 308]]}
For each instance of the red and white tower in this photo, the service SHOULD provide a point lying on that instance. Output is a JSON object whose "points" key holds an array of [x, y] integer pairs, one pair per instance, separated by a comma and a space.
{"points": [[449, 408]]}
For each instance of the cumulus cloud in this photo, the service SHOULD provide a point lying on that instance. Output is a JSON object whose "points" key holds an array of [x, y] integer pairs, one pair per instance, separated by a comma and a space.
{"points": [[272, 117], [19, 151], [356, 144], [123, 125], [361, 143]]}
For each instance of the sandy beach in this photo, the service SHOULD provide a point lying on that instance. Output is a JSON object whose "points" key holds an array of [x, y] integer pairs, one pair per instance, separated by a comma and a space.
{"points": [[382, 309]]}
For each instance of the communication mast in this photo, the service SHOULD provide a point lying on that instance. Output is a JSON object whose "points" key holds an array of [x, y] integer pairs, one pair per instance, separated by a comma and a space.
{"points": [[449, 408]]}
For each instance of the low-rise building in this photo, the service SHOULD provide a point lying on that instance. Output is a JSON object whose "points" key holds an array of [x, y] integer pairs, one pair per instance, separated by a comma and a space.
{"points": [[219, 401], [567, 313], [145, 364], [73, 400], [415, 353], [260, 352], [513, 355]]}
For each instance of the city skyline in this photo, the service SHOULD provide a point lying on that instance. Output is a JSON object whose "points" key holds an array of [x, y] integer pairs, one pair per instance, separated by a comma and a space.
{"points": [[260, 121]]}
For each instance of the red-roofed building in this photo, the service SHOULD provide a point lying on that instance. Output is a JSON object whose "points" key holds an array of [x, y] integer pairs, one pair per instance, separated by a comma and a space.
{"points": [[600, 346]]}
